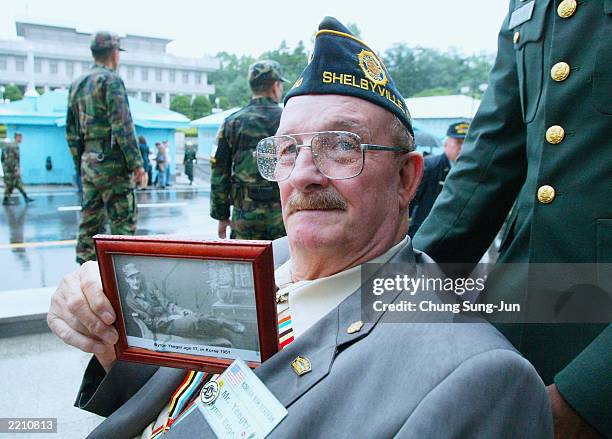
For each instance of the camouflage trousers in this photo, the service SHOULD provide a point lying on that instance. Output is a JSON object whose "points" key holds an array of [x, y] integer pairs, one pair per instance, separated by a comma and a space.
{"points": [[11, 182], [264, 222], [108, 193]]}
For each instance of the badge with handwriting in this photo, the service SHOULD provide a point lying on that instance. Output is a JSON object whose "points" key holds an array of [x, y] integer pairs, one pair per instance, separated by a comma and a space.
{"points": [[243, 407]]}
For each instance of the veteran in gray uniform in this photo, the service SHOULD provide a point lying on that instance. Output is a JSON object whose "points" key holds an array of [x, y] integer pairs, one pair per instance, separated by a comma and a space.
{"points": [[345, 187]]}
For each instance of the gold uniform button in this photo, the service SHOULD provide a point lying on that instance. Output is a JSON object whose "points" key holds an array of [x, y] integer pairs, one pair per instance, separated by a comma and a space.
{"points": [[517, 37], [560, 71], [555, 134], [567, 8], [546, 194]]}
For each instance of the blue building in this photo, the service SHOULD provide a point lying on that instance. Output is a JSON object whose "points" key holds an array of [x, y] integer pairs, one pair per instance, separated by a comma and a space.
{"points": [[207, 130], [42, 121], [434, 114]]}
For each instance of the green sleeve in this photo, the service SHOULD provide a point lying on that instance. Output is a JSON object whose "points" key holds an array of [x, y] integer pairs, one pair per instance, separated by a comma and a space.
{"points": [[122, 126], [220, 182], [488, 174], [73, 134], [586, 383]]}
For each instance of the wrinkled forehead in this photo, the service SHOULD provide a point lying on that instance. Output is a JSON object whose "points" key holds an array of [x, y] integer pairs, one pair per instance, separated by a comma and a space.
{"points": [[315, 113]]}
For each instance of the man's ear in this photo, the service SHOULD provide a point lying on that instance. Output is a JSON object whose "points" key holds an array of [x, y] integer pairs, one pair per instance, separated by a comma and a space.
{"points": [[411, 172]]}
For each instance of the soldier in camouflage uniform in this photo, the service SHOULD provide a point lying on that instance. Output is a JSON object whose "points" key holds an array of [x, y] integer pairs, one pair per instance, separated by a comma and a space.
{"points": [[235, 179], [12, 175], [103, 144], [148, 303], [189, 159]]}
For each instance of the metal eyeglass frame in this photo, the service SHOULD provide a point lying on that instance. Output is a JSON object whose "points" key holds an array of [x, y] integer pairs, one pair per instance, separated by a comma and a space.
{"points": [[364, 147]]}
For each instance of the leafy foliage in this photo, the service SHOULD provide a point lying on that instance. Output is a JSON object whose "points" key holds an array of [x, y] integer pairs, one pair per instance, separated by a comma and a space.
{"points": [[12, 92], [181, 104], [417, 71]]}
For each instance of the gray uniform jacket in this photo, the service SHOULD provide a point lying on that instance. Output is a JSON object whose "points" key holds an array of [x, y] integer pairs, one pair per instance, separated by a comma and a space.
{"points": [[408, 380]]}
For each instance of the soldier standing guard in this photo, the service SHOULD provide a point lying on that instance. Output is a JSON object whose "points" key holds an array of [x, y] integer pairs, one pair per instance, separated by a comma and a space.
{"points": [[235, 179], [102, 141], [12, 174], [189, 159]]}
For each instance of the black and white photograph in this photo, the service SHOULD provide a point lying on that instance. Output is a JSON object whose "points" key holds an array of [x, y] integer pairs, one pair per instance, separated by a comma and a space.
{"points": [[188, 306]]}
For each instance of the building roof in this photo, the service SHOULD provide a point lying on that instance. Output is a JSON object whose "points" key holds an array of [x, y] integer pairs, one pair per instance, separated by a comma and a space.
{"points": [[50, 109], [214, 120], [443, 107], [23, 23]]}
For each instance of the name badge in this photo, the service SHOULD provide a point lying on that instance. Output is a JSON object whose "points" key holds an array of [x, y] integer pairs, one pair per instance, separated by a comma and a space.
{"points": [[521, 15], [239, 405]]}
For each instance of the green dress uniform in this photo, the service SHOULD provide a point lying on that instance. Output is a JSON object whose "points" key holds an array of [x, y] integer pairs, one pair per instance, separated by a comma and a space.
{"points": [[12, 176], [102, 141], [541, 144], [235, 179]]}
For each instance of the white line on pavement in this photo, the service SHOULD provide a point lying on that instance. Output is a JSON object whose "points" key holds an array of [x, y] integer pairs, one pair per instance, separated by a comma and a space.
{"points": [[143, 206]]}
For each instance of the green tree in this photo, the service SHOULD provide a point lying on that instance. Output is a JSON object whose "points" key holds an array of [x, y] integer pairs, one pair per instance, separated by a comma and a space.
{"points": [[12, 92], [200, 107], [421, 70], [354, 29], [293, 62], [181, 104]]}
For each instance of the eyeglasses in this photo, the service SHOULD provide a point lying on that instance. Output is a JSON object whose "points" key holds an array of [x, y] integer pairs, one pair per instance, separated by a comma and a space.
{"points": [[338, 155]]}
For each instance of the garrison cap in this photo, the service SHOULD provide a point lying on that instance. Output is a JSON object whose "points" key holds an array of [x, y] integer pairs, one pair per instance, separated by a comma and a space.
{"points": [[104, 40], [343, 64], [458, 130], [129, 270], [265, 70]]}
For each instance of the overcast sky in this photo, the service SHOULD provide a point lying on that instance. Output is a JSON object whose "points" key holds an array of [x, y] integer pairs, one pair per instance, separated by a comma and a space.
{"points": [[201, 27]]}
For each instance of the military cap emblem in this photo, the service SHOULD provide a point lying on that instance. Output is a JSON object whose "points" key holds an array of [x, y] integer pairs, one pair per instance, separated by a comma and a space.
{"points": [[301, 365], [372, 67], [298, 83], [462, 128], [209, 392]]}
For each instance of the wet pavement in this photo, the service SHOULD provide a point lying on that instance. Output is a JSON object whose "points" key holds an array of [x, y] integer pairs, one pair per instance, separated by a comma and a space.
{"points": [[37, 241]]}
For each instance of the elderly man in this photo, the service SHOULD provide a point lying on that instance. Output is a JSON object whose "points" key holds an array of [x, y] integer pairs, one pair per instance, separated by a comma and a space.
{"points": [[344, 160]]}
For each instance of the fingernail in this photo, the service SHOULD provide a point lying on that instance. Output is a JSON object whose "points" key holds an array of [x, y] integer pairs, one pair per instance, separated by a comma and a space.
{"points": [[99, 349], [107, 318]]}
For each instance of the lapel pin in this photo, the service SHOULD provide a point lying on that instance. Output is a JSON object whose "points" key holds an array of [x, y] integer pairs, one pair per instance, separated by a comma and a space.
{"points": [[355, 327], [301, 365]]}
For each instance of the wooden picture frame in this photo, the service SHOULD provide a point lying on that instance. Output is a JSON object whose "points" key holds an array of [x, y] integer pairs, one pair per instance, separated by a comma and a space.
{"points": [[190, 304]]}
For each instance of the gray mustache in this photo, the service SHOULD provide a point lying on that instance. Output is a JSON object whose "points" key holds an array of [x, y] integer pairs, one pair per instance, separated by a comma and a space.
{"points": [[319, 200]]}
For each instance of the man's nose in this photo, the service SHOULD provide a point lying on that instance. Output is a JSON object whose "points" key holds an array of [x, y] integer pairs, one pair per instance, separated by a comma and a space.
{"points": [[305, 173]]}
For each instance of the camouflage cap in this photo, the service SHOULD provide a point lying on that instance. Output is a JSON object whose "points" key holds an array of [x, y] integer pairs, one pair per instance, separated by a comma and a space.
{"points": [[265, 70], [104, 40]]}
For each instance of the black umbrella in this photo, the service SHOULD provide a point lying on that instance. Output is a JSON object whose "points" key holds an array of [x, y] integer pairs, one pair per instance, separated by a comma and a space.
{"points": [[425, 139]]}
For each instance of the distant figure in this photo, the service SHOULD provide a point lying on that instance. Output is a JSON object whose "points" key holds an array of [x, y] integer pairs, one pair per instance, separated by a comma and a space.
{"points": [[189, 159], [161, 162], [235, 179], [437, 168], [144, 151], [12, 174], [102, 141], [168, 161]]}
